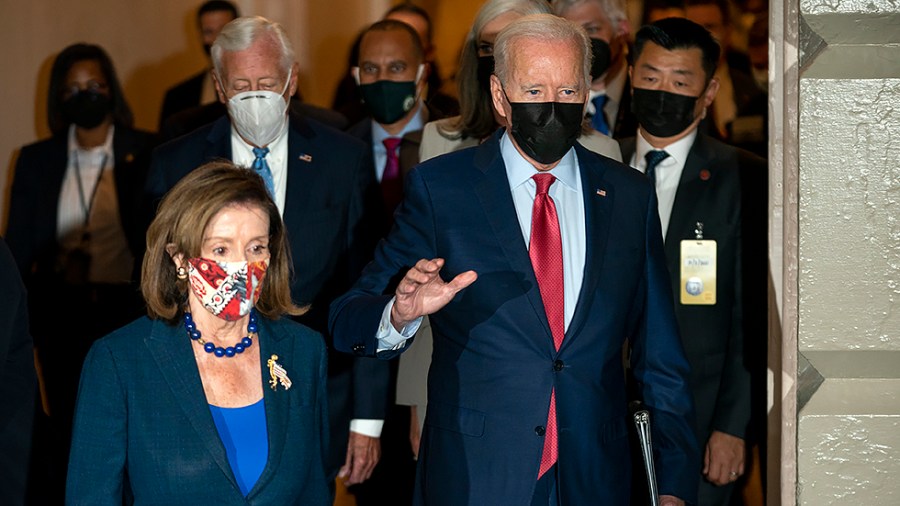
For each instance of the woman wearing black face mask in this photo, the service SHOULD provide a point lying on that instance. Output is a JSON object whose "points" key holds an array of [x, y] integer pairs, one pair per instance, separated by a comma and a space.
{"points": [[73, 226]]}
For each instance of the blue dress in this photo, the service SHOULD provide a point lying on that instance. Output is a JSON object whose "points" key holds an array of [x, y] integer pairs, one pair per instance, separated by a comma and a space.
{"points": [[243, 432]]}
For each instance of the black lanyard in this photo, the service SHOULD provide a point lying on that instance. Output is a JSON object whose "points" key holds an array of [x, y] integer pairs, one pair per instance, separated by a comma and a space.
{"points": [[89, 205]]}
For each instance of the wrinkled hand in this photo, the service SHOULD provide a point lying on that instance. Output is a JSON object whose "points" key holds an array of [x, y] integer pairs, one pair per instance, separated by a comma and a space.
{"points": [[414, 434], [363, 453], [670, 500], [422, 291], [724, 456]]}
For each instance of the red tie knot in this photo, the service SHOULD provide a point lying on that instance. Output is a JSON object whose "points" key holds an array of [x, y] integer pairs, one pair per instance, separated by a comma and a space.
{"points": [[543, 182], [391, 143]]}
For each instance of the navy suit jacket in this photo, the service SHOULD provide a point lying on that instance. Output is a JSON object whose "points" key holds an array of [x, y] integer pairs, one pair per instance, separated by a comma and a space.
{"points": [[329, 186], [143, 423], [494, 364]]}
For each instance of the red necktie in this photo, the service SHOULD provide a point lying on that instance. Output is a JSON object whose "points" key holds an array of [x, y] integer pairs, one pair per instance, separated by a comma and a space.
{"points": [[545, 251], [391, 185]]}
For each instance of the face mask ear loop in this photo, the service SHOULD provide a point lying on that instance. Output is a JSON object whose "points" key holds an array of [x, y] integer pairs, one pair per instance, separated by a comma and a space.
{"points": [[287, 83]]}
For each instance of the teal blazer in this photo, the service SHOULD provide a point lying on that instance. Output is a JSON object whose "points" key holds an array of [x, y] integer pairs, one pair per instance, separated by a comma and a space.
{"points": [[144, 433]]}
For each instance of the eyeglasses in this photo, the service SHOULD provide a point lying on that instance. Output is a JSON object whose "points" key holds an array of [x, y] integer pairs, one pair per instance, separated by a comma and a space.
{"points": [[91, 86]]}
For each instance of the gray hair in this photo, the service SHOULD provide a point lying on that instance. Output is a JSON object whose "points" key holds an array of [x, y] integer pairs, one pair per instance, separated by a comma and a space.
{"points": [[241, 33], [476, 118], [613, 9], [546, 27]]}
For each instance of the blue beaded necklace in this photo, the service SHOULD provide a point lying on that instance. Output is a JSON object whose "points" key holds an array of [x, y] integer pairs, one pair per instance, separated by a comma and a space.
{"points": [[230, 351]]}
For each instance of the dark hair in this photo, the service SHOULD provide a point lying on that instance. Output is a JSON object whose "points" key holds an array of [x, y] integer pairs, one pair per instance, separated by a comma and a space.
{"points": [[183, 216], [412, 8], [391, 25], [679, 33], [64, 61], [216, 6]]}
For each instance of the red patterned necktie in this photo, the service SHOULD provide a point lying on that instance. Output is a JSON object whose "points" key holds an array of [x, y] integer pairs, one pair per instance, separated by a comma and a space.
{"points": [[391, 185], [545, 251]]}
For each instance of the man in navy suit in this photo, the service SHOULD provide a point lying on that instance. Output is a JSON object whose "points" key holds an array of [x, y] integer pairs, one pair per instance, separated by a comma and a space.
{"points": [[321, 181], [711, 197], [553, 257]]}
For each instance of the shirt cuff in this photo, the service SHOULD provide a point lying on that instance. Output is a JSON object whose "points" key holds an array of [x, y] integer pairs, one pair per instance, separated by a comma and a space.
{"points": [[371, 428], [388, 337]]}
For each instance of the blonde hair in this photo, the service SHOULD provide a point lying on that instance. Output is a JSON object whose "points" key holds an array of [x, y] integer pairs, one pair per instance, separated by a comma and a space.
{"points": [[182, 219]]}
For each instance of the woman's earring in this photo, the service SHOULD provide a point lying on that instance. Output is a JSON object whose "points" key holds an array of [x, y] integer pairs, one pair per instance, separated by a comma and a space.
{"points": [[181, 273]]}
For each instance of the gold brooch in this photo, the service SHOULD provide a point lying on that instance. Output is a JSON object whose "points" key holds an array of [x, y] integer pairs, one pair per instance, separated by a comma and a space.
{"points": [[278, 374]]}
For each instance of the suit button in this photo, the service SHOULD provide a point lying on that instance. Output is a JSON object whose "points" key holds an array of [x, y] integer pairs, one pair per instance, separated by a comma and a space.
{"points": [[359, 349], [558, 365], [539, 430]]}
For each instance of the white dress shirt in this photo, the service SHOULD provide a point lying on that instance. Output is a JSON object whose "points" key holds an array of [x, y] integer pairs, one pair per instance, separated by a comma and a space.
{"points": [[668, 172], [242, 155], [566, 194]]}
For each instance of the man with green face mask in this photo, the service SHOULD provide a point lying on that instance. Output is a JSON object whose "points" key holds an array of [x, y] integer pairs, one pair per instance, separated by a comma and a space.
{"points": [[392, 74]]}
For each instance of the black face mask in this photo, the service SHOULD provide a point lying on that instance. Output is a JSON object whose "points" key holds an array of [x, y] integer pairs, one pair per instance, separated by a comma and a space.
{"points": [[86, 109], [388, 101], [546, 131], [485, 69], [601, 57], [661, 113]]}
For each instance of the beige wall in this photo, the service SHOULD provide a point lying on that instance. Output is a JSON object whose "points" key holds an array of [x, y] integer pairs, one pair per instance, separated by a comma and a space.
{"points": [[848, 261]]}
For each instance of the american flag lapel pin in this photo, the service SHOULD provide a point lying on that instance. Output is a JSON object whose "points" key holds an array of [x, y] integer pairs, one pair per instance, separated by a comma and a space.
{"points": [[278, 374], [305, 157], [601, 192]]}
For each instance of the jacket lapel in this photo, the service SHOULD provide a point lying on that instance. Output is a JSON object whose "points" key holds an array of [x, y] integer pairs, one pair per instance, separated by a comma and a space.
{"points": [[171, 349], [495, 197], [689, 193], [301, 162], [598, 195], [218, 141], [277, 401]]}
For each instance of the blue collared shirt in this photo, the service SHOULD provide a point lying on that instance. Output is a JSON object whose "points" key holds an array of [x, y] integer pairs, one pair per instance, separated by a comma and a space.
{"points": [[379, 134]]}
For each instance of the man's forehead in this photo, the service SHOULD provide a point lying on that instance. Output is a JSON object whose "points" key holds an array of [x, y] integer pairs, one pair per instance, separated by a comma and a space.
{"points": [[395, 42], [653, 53]]}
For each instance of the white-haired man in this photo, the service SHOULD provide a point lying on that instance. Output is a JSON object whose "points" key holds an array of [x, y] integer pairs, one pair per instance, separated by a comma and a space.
{"points": [[554, 257], [606, 23], [321, 180]]}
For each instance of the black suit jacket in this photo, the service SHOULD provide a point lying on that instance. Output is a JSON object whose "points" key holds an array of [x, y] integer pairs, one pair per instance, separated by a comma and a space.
{"points": [[712, 190], [182, 96], [17, 383], [329, 184], [40, 169]]}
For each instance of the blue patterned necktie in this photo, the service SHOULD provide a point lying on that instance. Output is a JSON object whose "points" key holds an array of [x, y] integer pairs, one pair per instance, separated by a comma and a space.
{"points": [[653, 158], [262, 168], [598, 120]]}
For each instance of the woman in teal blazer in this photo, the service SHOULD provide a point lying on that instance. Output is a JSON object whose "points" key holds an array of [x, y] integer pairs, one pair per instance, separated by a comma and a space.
{"points": [[211, 399]]}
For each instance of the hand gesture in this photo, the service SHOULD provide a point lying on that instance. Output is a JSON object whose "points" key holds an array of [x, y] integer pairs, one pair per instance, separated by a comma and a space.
{"points": [[422, 292]]}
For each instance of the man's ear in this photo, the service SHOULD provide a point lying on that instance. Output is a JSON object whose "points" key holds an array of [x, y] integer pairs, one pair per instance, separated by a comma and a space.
{"points": [[711, 90], [292, 87], [498, 97], [220, 87]]}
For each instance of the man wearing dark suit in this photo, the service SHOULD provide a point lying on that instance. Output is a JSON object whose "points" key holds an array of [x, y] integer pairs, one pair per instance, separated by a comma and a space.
{"points": [[526, 389], [701, 185], [320, 179], [391, 57], [17, 383], [199, 88], [606, 23]]}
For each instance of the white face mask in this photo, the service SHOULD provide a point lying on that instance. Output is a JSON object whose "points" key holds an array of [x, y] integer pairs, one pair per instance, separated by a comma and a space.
{"points": [[259, 116]]}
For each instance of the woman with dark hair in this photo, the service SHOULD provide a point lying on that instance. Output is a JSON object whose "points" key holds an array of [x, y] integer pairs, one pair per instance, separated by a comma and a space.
{"points": [[73, 223], [213, 398]]}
